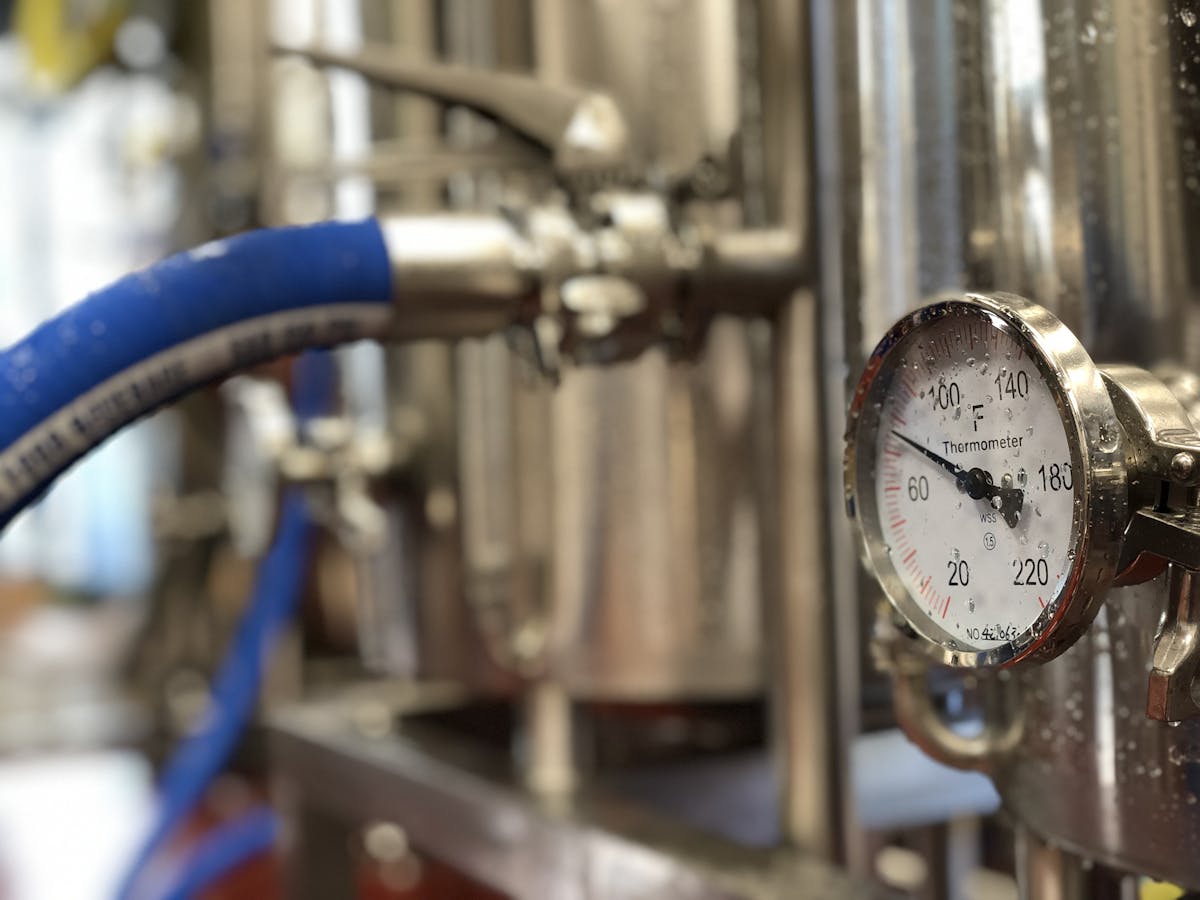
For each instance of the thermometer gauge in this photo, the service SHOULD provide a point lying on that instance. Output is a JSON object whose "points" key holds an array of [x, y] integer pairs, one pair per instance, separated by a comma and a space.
{"points": [[986, 478]]}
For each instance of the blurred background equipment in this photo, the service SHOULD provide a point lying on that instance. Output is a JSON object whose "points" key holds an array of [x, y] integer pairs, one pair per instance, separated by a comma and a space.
{"points": [[579, 612]]}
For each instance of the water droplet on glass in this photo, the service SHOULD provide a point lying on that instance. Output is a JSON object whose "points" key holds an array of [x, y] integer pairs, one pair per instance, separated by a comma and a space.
{"points": [[970, 361], [1022, 477], [1108, 438], [1089, 33], [997, 503], [1187, 17]]}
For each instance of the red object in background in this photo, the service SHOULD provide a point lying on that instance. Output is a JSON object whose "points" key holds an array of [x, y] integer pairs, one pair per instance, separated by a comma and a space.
{"points": [[422, 879], [409, 877]]}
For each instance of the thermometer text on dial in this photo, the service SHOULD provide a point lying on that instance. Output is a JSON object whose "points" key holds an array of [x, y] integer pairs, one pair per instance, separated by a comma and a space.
{"points": [[974, 482], [987, 513]]}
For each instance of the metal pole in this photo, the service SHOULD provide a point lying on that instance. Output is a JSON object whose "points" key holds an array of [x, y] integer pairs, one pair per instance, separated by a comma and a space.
{"points": [[1047, 872], [815, 648], [548, 757]]}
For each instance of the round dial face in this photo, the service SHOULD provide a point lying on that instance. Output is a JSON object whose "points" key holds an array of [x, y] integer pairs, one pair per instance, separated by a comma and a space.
{"points": [[968, 484]]}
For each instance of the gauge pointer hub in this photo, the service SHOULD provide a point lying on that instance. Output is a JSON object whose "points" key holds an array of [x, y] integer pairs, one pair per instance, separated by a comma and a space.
{"points": [[977, 483]]}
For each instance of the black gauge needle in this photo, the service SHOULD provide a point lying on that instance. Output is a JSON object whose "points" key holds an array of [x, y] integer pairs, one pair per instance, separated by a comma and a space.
{"points": [[955, 470], [977, 483]]}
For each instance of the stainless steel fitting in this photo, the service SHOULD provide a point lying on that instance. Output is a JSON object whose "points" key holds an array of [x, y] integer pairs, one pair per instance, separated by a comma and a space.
{"points": [[598, 291]]}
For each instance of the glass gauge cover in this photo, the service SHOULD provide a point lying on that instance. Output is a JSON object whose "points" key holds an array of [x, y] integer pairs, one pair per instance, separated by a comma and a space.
{"points": [[985, 474]]}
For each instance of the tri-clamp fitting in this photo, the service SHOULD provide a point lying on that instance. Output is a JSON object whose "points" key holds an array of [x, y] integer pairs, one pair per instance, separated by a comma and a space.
{"points": [[598, 290]]}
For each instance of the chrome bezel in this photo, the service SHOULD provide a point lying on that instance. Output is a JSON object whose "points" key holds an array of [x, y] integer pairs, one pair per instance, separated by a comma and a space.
{"points": [[1095, 441]]}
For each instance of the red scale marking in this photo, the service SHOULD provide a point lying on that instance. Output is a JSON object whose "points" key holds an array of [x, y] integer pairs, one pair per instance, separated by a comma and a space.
{"points": [[911, 554], [891, 451], [896, 523], [946, 608], [1043, 602], [891, 488]]}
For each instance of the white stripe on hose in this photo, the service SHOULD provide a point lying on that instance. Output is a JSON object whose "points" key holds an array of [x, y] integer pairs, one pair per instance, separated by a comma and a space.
{"points": [[63, 437]]}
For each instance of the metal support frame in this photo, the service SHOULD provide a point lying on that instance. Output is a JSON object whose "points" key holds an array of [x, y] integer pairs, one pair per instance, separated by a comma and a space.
{"points": [[458, 803]]}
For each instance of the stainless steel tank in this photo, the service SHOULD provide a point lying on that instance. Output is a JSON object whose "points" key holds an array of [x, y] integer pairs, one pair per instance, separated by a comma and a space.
{"points": [[614, 524], [625, 515], [1050, 148]]}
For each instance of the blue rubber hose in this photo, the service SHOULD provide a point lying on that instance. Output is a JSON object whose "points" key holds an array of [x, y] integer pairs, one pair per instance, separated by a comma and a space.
{"points": [[207, 749], [222, 851], [129, 348]]}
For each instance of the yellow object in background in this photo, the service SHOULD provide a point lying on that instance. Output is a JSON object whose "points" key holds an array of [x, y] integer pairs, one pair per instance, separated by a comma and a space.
{"points": [[1158, 890], [66, 39]]}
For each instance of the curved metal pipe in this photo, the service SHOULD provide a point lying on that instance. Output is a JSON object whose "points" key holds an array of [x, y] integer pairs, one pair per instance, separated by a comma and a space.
{"points": [[925, 727]]}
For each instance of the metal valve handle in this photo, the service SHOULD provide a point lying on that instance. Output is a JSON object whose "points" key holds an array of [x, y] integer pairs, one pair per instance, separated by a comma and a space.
{"points": [[583, 130]]}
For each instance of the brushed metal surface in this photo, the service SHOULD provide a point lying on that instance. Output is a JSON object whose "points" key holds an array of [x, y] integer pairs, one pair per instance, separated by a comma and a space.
{"points": [[1092, 773], [614, 522]]}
